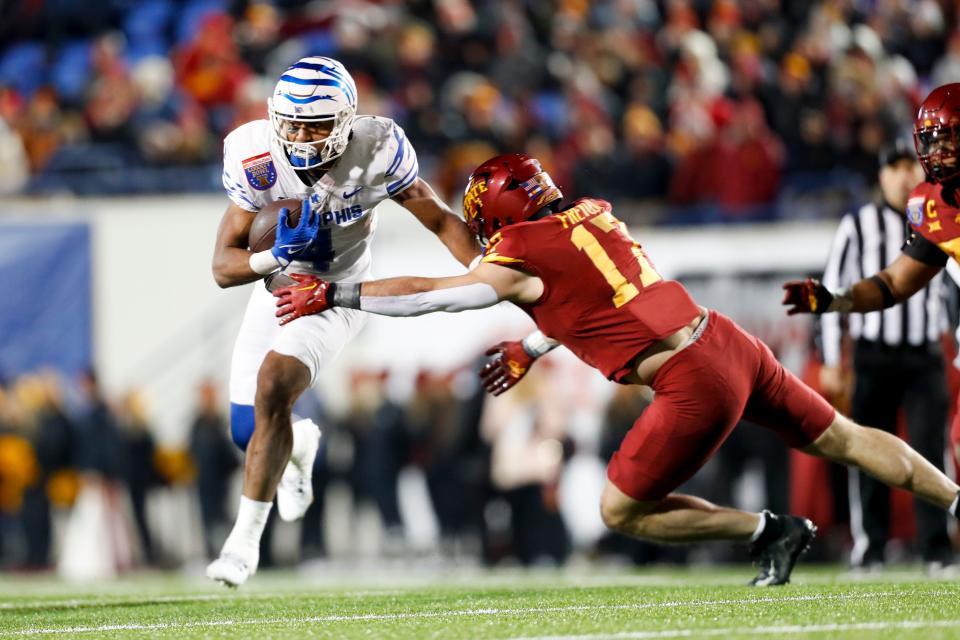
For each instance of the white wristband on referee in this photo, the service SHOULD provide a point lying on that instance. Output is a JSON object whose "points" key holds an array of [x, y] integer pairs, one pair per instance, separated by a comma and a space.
{"points": [[263, 262], [536, 344]]}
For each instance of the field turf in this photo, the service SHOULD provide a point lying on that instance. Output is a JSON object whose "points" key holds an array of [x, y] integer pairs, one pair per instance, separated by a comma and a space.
{"points": [[417, 603]]}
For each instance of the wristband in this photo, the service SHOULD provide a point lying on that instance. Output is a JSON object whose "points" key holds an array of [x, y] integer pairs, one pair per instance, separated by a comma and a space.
{"points": [[536, 344], [263, 262], [841, 302], [888, 299], [345, 294], [475, 262]]}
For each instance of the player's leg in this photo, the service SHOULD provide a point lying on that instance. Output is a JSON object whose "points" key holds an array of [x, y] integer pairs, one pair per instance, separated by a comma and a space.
{"points": [[298, 353], [701, 393], [784, 404], [314, 341], [281, 380], [885, 457], [675, 518], [259, 334]]}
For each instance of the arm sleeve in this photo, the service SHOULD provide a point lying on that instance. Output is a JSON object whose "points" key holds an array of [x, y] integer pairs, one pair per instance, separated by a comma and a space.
{"points": [[838, 273], [471, 296], [403, 169], [919, 248], [235, 182]]}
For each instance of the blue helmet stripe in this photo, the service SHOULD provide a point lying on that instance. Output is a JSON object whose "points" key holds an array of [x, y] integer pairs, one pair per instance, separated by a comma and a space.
{"points": [[318, 67], [320, 82], [323, 69], [309, 100], [328, 69]]}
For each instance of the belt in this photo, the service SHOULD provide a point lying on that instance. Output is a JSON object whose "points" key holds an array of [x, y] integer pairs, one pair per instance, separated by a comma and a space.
{"points": [[697, 332]]}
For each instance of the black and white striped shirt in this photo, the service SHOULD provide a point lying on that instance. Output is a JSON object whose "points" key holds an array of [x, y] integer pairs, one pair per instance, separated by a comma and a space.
{"points": [[866, 242]]}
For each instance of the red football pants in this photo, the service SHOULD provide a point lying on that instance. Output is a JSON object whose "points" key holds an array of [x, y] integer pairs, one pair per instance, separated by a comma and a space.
{"points": [[702, 392]]}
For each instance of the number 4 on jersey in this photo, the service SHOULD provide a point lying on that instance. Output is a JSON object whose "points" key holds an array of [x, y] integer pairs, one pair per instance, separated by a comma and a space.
{"points": [[623, 290]]}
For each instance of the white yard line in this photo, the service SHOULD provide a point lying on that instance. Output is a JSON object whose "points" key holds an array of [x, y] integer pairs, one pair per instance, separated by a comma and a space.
{"points": [[108, 600], [33, 631], [727, 632]]}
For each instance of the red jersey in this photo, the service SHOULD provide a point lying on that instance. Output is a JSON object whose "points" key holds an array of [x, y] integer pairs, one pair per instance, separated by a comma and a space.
{"points": [[602, 298], [936, 222]]}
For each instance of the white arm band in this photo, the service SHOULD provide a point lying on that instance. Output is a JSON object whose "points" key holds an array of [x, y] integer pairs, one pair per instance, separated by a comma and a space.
{"points": [[263, 262], [471, 296], [475, 262], [536, 344]]}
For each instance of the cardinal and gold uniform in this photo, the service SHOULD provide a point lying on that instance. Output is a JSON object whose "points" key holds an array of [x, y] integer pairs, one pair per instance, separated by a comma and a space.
{"points": [[604, 300]]}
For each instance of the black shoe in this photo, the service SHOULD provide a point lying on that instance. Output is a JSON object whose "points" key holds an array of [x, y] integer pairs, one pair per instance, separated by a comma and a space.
{"points": [[777, 557]]}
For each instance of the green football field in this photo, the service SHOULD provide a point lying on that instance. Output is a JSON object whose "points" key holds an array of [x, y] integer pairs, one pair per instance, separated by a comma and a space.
{"points": [[418, 603]]}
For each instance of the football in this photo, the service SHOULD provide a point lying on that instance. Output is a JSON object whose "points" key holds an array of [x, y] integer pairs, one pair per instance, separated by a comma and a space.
{"points": [[263, 231]]}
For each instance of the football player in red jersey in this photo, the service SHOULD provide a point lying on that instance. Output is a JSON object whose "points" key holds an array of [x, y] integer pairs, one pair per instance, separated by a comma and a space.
{"points": [[589, 286], [933, 211]]}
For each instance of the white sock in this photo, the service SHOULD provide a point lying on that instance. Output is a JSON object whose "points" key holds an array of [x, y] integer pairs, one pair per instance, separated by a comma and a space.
{"points": [[303, 433], [251, 519], [760, 527], [954, 505]]}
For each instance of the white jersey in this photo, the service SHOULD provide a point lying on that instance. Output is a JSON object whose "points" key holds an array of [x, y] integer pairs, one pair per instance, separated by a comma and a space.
{"points": [[378, 164]]}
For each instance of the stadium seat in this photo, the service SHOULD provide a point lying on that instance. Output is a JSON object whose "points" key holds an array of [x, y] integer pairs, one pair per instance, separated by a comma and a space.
{"points": [[71, 73], [23, 66]]}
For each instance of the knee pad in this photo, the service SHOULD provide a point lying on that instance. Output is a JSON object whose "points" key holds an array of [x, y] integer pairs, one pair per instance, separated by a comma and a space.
{"points": [[241, 424]]}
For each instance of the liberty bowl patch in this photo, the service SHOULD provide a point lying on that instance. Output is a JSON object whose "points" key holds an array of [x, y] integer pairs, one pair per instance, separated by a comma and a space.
{"points": [[915, 211], [261, 174]]}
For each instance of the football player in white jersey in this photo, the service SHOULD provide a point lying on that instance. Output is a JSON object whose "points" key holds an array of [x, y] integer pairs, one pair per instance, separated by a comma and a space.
{"points": [[314, 148]]}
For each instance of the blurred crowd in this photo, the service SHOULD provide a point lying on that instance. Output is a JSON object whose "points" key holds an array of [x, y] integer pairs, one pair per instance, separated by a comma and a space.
{"points": [[514, 479], [413, 468], [711, 103]]}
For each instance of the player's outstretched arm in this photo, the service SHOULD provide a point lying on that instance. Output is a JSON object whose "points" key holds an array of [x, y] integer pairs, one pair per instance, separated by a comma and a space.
{"points": [[421, 200], [894, 284], [407, 296], [231, 258]]}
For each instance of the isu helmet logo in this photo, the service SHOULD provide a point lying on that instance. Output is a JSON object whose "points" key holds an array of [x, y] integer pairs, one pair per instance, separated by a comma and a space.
{"points": [[471, 198]]}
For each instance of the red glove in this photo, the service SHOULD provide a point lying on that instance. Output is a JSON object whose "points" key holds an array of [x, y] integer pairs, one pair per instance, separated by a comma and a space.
{"points": [[305, 298], [509, 364], [806, 296]]}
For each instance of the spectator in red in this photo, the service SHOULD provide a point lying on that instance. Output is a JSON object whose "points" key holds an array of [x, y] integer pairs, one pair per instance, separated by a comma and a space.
{"points": [[739, 168], [209, 68]]}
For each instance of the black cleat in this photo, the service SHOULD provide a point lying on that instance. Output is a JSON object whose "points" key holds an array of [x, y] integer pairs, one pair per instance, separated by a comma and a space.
{"points": [[777, 557]]}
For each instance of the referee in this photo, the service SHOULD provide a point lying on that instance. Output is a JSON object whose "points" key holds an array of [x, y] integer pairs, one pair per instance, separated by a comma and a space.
{"points": [[897, 360]]}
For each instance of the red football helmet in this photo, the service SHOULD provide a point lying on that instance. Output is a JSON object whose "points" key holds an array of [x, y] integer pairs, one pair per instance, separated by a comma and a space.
{"points": [[936, 133], [505, 190]]}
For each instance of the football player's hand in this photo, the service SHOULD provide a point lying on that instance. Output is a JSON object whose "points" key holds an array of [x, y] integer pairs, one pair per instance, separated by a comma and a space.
{"points": [[310, 295], [293, 242], [509, 364], [806, 296]]}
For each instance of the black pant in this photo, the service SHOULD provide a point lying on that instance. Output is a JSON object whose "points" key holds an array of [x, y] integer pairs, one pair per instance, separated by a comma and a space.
{"points": [[888, 379]]}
